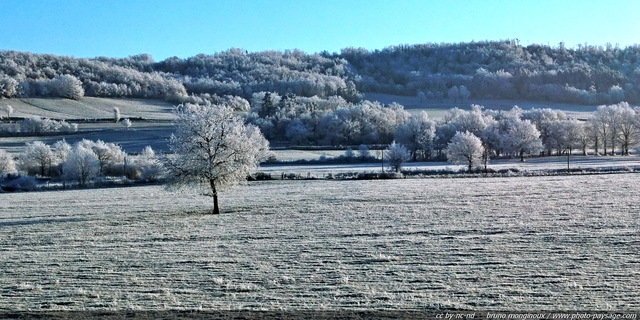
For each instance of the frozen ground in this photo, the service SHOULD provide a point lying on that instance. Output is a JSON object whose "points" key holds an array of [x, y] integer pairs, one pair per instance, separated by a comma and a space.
{"points": [[89, 108], [538, 243], [530, 164], [133, 140], [154, 130]]}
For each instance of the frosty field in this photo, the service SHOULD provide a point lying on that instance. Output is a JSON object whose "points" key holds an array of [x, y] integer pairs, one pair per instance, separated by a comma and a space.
{"points": [[537, 243]]}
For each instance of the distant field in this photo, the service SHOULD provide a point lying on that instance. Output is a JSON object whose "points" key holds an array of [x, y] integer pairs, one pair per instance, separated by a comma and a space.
{"points": [[155, 130], [545, 243], [89, 108], [133, 140]]}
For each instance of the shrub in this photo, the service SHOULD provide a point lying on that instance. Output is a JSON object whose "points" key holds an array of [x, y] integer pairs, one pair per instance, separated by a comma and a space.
{"points": [[36, 124], [20, 183]]}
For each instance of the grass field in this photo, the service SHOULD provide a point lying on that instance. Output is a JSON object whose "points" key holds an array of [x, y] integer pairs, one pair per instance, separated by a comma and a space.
{"points": [[154, 130], [89, 108], [544, 243]]}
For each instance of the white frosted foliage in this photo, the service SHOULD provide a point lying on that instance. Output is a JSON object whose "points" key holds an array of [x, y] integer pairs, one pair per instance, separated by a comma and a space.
{"points": [[213, 147], [466, 148]]}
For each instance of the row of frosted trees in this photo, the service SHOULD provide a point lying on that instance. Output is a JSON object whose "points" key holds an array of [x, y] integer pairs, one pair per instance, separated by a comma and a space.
{"points": [[79, 164], [612, 129], [517, 132]]}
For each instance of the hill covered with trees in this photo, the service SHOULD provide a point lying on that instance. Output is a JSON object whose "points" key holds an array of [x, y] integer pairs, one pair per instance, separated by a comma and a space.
{"points": [[493, 69], [202, 78], [501, 69]]}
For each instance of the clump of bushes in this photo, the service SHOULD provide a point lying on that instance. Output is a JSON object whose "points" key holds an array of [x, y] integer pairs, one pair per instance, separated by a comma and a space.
{"points": [[39, 125]]}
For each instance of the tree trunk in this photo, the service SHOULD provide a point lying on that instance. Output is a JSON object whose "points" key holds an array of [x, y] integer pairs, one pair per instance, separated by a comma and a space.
{"points": [[485, 159], [214, 194], [568, 161], [521, 155], [613, 147]]}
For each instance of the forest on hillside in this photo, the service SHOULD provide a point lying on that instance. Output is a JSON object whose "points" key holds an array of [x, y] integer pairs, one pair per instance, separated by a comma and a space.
{"points": [[505, 69]]}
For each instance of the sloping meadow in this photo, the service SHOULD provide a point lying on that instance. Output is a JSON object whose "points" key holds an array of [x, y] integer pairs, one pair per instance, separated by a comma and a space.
{"points": [[491, 243]]}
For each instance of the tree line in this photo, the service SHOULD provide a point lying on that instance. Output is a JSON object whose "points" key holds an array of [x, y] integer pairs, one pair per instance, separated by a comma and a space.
{"points": [[79, 164], [612, 129]]}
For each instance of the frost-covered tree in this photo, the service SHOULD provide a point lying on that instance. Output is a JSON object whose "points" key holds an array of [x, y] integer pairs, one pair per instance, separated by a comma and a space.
{"points": [[453, 93], [417, 134], [569, 135], [465, 147], [107, 153], [61, 150], [36, 124], [149, 165], [609, 121], [68, 86], [7, 164], [37, 155], [8, 110], [116, 114], [126, 123], [363, 152], [601, 127], [297, 131], [349, 155], [628, 126], [522, 137], [543, 119], [397, 155], [464, 93], [82, 165], [8, 87], [212, 147]]}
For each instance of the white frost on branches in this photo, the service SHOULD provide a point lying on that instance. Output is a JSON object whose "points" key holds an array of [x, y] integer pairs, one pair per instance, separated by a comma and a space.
{"points": [[116, 114], [214, 148], [82, 165], [465, 147], [397, 155], [7, 164]]}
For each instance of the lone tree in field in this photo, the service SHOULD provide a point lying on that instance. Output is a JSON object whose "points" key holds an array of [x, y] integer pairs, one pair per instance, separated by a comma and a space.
{"points": [[212, 147], [465, 147], [116, 114], [9, 110]]}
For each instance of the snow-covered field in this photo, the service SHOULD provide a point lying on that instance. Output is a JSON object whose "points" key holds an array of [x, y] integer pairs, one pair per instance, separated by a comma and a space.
{"points": [[133, 140], [89, 108], [531, 164], [536, 243]]}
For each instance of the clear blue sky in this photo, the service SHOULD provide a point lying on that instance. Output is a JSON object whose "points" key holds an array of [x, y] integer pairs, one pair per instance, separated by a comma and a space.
{"points": [[184, 28]]}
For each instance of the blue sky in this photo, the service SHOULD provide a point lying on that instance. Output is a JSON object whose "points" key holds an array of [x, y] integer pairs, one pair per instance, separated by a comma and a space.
{"points": [[184, 28]]}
